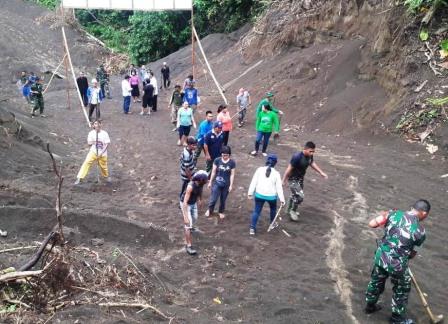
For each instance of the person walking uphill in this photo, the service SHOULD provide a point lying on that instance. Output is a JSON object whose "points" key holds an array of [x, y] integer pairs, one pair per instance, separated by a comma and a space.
{"points": [[187, 163], [204, 128], [243, 101], [403, 231], [126, 89], [267, 122], [99, 141], [36, 90], [266, 186], [191, 95], [165, 71], [95, 96], [189, 207], [213, 145], [226, 120], [175, 103], [221, 182], [83, 85], [295, 175]]}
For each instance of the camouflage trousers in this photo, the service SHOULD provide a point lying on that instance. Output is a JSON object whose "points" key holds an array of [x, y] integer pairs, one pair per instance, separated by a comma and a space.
{"points": [[296, 187], [401, 286]]}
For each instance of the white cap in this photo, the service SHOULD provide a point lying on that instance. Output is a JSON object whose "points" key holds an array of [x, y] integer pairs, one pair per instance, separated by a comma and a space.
{"points": [[164, 63], [94, 81]]}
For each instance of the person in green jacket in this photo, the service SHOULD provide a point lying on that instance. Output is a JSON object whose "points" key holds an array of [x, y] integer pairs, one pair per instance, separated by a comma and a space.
{"points": [[267, 122]]}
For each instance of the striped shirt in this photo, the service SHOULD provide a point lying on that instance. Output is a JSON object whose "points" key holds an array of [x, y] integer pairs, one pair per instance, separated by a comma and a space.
{"points": [[186, 163]]}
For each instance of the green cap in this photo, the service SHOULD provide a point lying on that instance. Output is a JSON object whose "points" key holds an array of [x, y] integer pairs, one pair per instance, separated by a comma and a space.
{"points": [[269, 94]]}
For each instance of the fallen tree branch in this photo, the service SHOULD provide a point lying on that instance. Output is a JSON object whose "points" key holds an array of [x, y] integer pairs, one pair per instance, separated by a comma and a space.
{"points": [[58, 197], [19, 248], [137, 305], [35, 258], [19, 275]]}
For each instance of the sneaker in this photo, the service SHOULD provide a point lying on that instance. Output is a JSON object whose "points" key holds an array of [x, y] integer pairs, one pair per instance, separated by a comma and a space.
{"points": [[43, 116], [264, 154], [372, 308], [78, 181], [174, 129], [142, 113], [148, 113], [190, 250], [222, 215], [294, 215], [398, 319], [207, 213], [251, 231], [179, 143], [254, 153], [32, 115]]}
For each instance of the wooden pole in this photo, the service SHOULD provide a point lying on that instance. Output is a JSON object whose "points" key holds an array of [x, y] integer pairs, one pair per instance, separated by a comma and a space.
{"points": [[54, 73], [209, 68], [74, 77], [192, 40], [67, 83]]}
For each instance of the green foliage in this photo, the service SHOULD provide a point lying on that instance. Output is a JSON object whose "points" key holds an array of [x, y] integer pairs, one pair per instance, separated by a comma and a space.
{"points": [[444, 45], [415, 5], [51, 4], [424, 35]]}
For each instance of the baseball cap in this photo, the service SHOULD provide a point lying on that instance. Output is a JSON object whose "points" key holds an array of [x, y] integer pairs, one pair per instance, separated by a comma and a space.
{"points": [[269, 94]]}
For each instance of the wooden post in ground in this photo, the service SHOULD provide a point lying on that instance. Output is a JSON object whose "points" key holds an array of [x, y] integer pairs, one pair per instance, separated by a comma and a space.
{"points": [[209, 68], [192, 41]]}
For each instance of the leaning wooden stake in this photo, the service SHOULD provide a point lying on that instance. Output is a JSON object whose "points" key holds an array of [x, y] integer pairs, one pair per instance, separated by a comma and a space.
{"points": [[209, 68], [58, 198], [74, 76], [54, 73]]}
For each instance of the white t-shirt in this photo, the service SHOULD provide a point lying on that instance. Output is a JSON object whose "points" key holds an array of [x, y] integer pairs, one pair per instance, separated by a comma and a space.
{"points": [[103, 139], [95, 95], [126, 88], [154, 84]]}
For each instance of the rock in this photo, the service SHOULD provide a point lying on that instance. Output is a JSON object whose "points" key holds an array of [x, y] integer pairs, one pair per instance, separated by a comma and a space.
{"points": [[3, 233], [228, 275], [97, 241], [220, 290]]}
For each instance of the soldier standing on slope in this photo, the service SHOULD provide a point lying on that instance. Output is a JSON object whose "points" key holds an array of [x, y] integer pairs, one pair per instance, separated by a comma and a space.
{"points": [[402, 233]]}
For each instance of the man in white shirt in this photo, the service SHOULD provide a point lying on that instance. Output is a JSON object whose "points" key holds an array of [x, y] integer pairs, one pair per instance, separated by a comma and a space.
{"points": [[95, 96], [156, 91], [98, 140], [126, 89]]}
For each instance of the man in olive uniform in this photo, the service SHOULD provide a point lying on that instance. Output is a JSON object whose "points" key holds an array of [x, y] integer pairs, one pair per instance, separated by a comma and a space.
{"points": [[402, 233], [36, 90], [295, 175]]}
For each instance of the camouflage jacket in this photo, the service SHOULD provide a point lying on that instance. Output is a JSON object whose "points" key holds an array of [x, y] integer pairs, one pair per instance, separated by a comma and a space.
{"points": [[37, 89], [403, 232]]}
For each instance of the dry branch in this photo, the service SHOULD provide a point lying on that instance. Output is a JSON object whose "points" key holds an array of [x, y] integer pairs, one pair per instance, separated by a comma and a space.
{"points": [[58, 197], [19, 275], [137, 305], [19, 248], [35, 258]]}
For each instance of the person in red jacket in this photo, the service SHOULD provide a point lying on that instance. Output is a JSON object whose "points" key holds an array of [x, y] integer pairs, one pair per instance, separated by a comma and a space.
{"points": [[226, 120]]}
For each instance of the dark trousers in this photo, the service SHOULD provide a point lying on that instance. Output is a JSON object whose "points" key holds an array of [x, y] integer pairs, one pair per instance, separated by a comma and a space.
{"points": [[126, 104], [225, 137], [84, 97], [183, 188], [259, 207], [220, 193], [166, 82], [154, 103], [262, 136], [96, 108]]}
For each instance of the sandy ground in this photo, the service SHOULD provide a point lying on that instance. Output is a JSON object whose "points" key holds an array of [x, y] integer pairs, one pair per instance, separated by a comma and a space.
{"points": [[318, 275]]}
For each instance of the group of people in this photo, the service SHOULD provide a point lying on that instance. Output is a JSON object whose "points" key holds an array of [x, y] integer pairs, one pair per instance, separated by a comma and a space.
{"points": [[403, 231]]}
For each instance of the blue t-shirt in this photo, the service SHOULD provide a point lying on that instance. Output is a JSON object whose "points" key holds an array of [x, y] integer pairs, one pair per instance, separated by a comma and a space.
{"points": [[191, 96], [204, 128], [214, 144], [223, 171]]}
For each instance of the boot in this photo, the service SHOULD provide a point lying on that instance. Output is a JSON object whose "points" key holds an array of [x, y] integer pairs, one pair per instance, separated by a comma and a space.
{"points": [[372, 308], [399, 319]]}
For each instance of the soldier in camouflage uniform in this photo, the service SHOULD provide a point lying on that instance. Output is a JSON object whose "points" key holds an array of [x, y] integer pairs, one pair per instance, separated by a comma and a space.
{"points": [[36, 90], [403, 232], [295, 174]]}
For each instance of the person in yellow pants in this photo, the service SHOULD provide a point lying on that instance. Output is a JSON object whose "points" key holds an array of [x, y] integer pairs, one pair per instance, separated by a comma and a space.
{"points": [[98, 140]]}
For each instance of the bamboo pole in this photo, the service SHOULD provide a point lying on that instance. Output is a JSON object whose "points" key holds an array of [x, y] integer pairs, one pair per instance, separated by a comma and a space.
{"points": [[54, 73], [192, 40], [74, 77], [209, 68]]}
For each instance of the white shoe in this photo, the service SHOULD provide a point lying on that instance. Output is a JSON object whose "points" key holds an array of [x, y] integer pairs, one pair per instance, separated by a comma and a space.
{"points": [[178, 143], [142, 113], [251, 231], [254, 153], [207, 213], [174, 129], [78, 181], [264, 154]]}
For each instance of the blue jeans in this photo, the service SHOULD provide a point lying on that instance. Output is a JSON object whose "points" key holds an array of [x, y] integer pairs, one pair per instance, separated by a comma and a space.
{"points": [[259, 202], [262, 136], [220, 193], [126, 104]]}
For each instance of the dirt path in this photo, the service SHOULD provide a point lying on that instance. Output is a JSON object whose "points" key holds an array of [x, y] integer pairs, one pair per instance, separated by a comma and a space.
{"points": [[317, 275]]}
